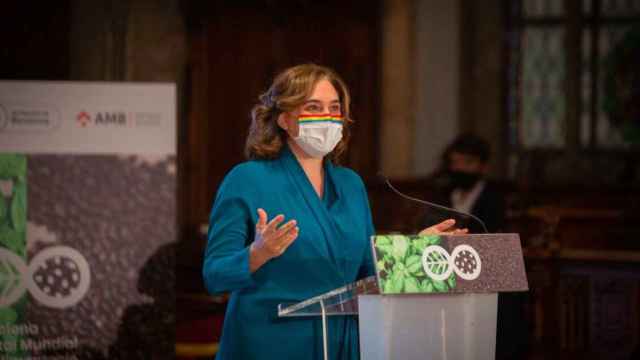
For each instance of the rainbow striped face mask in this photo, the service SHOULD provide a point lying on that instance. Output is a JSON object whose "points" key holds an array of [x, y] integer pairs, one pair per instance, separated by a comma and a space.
{"points": [[319, 134]]}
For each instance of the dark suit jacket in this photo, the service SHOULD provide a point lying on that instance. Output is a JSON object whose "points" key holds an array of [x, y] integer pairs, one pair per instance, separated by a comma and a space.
{"points": [[489, 207]]}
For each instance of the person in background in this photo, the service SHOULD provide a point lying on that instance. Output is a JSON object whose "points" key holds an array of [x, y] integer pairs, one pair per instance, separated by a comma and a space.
{"points": [[290, 224], [462, 183]]}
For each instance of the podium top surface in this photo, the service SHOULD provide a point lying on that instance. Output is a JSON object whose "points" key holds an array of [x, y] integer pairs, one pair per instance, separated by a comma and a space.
{"points": [[432, 264], [471, 263]]}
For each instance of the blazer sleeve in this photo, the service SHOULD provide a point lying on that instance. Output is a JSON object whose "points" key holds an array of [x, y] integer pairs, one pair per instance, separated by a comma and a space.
{"points": [[366, 268], [226, 258]]}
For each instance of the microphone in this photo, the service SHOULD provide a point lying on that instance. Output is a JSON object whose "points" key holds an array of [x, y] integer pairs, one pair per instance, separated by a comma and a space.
{"points": [[442, 208]]}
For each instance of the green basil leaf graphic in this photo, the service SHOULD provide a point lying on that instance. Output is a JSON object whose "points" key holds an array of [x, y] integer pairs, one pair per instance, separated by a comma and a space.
{"points": [[12, 165], [5, 236], [395, 283], [8, 315], [381, 265], [418, 245], [3, 210], [389, 287], [440, 286], [6, 167], [414, 264], [400, 246], [385, 249], [382, 240], [14, 241], [398, 268], [427, 286], [452, 281], [19, 207], [411, 285], [434, 239], [9, 277]]}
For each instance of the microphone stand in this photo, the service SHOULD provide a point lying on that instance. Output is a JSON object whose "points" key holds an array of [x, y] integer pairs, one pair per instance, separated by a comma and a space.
{"points": [[434, 205]]}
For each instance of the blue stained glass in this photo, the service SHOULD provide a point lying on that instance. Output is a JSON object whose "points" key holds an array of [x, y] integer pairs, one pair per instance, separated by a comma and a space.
{"points": [[542, 110]]}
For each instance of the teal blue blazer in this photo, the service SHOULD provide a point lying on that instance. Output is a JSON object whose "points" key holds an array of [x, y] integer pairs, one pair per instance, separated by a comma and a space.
{"points": [[332, 249]]}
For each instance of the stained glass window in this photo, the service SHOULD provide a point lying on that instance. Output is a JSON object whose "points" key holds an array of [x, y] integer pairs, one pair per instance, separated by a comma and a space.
{"points": [[607, 134], [586, 88], [621, 8], [542, 8], [539, 56], [543, 88]]}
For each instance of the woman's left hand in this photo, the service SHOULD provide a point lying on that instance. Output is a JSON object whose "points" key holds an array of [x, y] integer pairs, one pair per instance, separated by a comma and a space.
{"points": [[444, 228]]}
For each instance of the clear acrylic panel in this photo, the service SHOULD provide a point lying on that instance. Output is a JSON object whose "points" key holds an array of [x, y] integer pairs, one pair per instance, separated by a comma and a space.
{"points": [[542, 123], [341, 301], [410, 327]]}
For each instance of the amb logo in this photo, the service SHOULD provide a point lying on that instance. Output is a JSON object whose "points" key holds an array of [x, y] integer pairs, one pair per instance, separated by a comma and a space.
{"points": [[111, 118], [102, 118], [83, 118]]}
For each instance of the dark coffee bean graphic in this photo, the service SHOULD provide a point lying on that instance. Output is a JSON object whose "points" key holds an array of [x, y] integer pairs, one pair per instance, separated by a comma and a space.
{"points": [[58, 278]]}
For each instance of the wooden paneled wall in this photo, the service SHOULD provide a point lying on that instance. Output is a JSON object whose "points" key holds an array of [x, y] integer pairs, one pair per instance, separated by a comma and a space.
{"points": [[236, 48], [34, 37]]}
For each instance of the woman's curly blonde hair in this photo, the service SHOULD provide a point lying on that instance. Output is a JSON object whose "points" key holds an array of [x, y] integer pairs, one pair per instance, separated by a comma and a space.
{"points": [[289, 90]]}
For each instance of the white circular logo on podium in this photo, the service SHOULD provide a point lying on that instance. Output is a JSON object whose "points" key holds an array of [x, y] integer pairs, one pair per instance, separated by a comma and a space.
{"points": [[439, 264], [436, 262], [466, 262]]}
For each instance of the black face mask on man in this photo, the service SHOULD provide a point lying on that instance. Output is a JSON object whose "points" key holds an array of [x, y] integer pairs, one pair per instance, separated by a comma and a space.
{"points": [[463, 180]]}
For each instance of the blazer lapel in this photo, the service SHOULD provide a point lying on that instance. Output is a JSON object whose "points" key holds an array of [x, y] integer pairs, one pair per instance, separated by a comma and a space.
{"points": [[315, 205]]}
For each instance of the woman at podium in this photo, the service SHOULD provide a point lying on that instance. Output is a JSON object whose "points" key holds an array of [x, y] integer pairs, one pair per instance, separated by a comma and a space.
{"points": [[290, 223]]}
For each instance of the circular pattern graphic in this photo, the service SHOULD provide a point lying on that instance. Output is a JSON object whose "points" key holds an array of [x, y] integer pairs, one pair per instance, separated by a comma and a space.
{"points": [[59, 277], [439, 265], [466, 262], [436, 262]]}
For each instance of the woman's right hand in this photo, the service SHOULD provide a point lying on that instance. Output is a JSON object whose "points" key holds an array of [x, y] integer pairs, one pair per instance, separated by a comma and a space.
{"points": [[271, 241]]}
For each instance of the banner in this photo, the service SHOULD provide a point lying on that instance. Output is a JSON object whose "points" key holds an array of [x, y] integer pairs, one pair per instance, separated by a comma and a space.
{"points": [[87, 220]]}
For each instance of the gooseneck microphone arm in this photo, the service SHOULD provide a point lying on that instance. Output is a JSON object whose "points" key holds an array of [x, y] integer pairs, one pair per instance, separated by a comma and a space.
{"points": [[427, 203]]}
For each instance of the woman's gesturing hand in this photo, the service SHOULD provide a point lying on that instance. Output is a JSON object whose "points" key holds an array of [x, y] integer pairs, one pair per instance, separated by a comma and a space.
{"points": [[270, 240], [443, 228]]}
